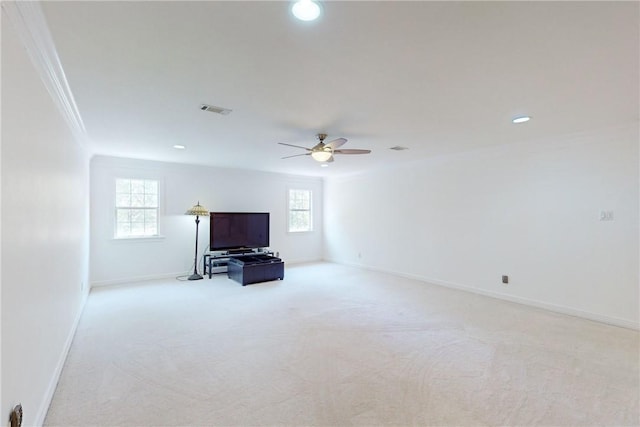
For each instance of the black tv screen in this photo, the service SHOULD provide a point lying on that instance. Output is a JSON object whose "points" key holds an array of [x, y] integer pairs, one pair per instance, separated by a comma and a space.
{"points": [[238, 230]]}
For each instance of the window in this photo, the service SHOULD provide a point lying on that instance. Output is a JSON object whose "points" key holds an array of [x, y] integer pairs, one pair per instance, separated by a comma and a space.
{"points": [[136, 208], [300, 211]]}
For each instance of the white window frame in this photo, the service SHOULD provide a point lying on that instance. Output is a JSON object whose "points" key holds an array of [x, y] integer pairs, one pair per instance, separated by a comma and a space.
{"points": [[289, 209], [158, 207]]}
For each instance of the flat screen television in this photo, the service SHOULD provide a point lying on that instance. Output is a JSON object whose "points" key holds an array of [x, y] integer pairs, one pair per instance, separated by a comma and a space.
{"points": [[238, 230]]}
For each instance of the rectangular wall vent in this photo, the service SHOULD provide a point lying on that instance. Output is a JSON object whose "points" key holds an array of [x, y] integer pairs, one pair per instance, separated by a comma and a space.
{"points": [[398, 148], [214, 109]]}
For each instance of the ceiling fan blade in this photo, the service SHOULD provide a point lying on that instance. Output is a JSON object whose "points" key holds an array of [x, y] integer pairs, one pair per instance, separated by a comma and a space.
{"points": [[296, 155], [297, 146], [336, 143], [330, 160], [351, 151]]}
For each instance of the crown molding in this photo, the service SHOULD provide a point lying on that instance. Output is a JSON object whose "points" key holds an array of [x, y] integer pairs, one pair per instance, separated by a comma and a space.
{"points": [[30, 23]]}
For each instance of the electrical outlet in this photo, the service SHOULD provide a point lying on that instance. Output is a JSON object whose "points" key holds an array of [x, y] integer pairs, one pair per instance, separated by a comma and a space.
{"points": [[505, 279], [606, 215]]}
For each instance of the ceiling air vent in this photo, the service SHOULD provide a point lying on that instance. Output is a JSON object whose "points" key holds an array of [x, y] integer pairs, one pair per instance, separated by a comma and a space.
{"points": [[213, 109], [398, 148]]}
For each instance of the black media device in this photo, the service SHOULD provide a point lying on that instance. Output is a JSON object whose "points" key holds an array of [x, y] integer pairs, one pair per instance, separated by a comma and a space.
{"points": [[238, 231]]}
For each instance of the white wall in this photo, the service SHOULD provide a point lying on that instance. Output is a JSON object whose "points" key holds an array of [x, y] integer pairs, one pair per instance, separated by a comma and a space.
{"points": [[529, 211], [217, 189], [45, 183]]}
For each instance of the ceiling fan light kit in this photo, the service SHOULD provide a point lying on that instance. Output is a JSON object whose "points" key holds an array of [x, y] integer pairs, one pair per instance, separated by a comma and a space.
{"points": [[322, 152], [322, 155]]}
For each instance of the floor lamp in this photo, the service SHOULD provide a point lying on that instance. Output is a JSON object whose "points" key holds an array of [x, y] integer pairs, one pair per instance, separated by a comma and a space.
{"points": [[198, 211]]}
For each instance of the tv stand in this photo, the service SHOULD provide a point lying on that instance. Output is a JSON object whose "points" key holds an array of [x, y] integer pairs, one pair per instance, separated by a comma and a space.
{"points": [[217, 262], [241, 252]]}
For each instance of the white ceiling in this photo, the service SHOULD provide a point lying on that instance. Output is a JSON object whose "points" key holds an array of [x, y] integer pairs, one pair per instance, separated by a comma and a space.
{"points": [[436, 77]]}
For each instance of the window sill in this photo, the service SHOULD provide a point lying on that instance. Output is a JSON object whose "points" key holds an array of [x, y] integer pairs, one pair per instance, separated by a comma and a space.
{"points": [[138, 239]]}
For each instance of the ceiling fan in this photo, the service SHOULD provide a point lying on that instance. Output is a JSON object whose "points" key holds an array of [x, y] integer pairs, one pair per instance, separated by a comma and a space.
{"points": [[322, 152]]}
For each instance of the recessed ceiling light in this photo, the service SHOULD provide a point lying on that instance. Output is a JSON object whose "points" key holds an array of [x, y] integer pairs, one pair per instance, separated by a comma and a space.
{"points": [[179, 147], [521, 119], [324, 165], [306, 10]]}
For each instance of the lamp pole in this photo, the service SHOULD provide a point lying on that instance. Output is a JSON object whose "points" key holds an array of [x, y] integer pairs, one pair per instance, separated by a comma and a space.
{"points": [[197, 210], [195, 275]]}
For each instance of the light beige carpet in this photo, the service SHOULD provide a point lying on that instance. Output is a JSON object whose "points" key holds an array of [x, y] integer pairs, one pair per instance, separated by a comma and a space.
{"points": [[337, 346]]}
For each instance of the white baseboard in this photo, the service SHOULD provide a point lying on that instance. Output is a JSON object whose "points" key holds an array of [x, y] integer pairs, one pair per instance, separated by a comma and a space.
{"points": [[133, 279], [53, 383], [506, 297], [301, 261]]}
